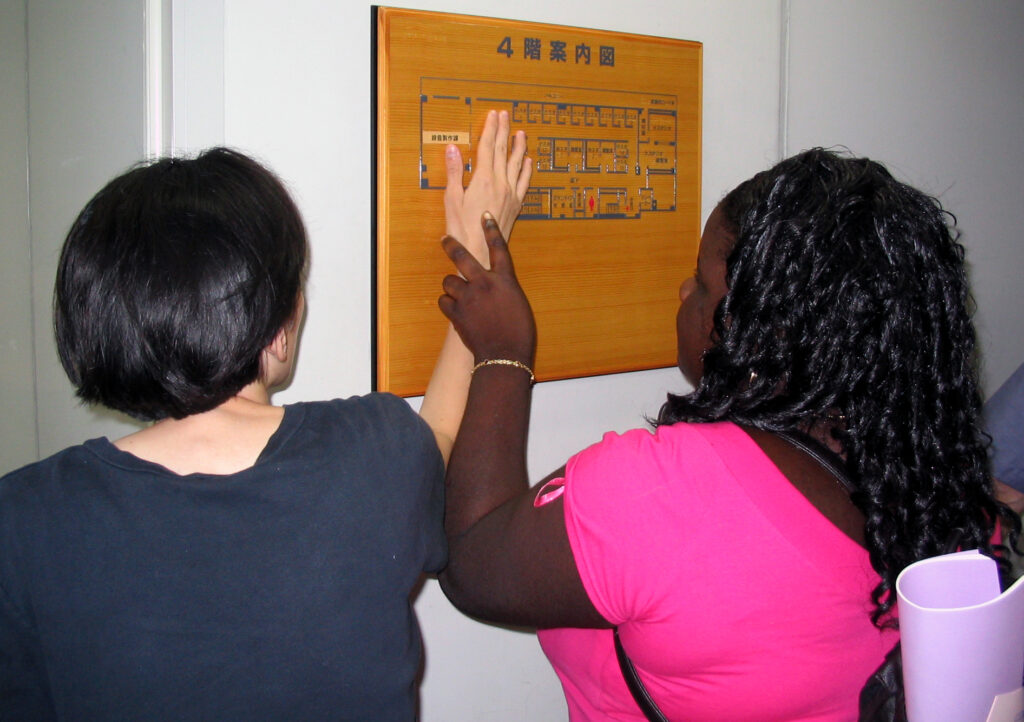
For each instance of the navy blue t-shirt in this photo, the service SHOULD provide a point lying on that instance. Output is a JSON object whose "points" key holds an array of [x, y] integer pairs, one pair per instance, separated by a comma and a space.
{"points": [[1004, 420], [280, 592]]}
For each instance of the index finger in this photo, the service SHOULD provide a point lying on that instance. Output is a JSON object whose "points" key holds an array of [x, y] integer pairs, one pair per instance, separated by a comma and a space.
{"points": [[485, 146], [464, 261], [453, 191], [501, 145]]}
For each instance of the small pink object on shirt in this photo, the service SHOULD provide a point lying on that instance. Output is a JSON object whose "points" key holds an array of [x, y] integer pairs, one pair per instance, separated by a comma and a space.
{"points": [[549, 492]]}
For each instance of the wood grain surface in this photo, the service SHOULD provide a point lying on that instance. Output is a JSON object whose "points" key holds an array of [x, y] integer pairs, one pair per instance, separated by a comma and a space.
{"points": [[611, 225]]}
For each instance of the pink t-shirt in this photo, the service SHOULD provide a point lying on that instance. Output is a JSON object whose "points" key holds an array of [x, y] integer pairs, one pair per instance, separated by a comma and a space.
{"points": [[735, 597]]}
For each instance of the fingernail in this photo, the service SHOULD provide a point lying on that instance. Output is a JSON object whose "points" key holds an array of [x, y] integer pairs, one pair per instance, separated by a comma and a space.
{"points": [[451, 151]]}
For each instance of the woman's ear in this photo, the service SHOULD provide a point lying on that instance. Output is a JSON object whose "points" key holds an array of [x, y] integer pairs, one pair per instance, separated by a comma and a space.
{"points": [[278, 348], [282, 347]]}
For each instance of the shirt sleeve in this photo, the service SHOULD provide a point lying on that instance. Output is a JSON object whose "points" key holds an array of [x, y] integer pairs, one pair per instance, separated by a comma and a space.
{"points": [[624, 512], [1004, 419], [412, 441]]}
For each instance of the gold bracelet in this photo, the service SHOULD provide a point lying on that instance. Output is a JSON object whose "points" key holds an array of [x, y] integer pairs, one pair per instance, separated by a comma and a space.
{"points": [[504, 362]]}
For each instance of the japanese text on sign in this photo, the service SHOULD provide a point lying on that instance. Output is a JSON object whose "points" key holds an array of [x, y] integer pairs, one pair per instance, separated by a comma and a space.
{"points": [[557, 51]]}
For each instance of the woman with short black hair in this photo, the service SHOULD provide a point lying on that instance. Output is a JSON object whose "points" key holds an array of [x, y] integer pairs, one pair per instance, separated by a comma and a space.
{"points": [[235, 560], [172, 282]]}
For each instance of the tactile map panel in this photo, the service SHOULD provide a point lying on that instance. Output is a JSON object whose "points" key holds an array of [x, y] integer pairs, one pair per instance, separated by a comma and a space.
{"points": [[610, 225]]}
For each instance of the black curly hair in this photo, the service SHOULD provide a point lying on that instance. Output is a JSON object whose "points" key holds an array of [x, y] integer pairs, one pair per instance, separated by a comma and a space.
{"points": [[848, 305]]}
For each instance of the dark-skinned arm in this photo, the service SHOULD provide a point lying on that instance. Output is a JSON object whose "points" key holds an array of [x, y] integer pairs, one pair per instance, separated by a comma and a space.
{"points": [[509, 562]]}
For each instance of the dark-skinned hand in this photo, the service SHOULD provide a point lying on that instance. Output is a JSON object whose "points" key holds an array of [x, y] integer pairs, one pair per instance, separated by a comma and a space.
{"points": [[488, 308]]}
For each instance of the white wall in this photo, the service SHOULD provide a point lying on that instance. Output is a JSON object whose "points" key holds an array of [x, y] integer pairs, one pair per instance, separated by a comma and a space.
{"points": [[18, 414], [935, 90], [931, 87], [81, 99]]}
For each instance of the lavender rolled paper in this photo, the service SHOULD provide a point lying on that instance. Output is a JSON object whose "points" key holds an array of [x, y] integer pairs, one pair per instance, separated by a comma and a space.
{"points": [[962, 641]]}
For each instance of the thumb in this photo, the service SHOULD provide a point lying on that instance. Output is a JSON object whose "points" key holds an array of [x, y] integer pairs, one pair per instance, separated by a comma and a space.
{"points": [[453, 190]]}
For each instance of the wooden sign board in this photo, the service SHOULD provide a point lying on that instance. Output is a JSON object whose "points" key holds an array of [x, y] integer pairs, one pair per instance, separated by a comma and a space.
{"points": [[611, 224]]}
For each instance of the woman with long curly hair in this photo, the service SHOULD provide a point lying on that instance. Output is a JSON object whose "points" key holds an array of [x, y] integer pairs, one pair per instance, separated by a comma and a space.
{"points": [[827, 334]]}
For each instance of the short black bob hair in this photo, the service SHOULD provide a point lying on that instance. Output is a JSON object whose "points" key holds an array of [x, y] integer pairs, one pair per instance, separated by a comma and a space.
{"points": [[172, 281]]}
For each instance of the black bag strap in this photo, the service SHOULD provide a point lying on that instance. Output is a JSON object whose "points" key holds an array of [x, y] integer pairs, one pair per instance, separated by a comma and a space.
{"points": [[881, 699], [833, 463], [636, 686]]}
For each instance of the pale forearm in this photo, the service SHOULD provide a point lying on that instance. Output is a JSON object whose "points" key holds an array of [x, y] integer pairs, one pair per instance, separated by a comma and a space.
{"points": [[445, 399], [498, 187]]}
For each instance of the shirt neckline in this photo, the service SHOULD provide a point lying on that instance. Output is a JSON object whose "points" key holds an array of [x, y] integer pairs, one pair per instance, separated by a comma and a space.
{"points": [[292, 419]]}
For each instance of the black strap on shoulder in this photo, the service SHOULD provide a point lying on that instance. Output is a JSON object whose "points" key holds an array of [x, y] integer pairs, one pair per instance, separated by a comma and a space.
{"points": [[636, 686], [822, 454], [834, 464]]}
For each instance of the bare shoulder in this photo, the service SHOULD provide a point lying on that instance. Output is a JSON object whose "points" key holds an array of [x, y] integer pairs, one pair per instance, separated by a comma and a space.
{"points": [[814, 481]]}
